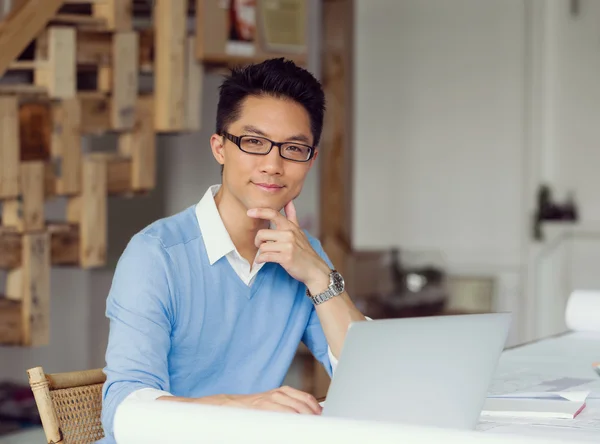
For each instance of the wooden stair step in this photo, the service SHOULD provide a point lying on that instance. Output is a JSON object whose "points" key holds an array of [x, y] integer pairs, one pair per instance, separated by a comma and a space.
{"points": [[64, 245], [10, 321]]}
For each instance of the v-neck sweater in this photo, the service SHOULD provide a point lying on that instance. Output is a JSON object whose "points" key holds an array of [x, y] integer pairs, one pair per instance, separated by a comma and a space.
{"points": [[182, 325]]}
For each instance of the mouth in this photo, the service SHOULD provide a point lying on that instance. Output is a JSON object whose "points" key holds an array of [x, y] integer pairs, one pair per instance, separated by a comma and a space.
{"points": [[269, 187]]}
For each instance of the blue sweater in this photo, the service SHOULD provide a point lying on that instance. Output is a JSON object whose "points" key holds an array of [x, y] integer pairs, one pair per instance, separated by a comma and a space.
{"points": [[181, 325]]}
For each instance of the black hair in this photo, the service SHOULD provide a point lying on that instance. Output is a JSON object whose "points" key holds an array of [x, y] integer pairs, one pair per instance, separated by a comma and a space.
{"points": [[278, 78]]}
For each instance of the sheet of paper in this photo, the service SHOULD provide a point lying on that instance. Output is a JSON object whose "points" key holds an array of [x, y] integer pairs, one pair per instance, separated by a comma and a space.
{"points": [[579, 396], [588, 421], [560, 364], [530, 380]]}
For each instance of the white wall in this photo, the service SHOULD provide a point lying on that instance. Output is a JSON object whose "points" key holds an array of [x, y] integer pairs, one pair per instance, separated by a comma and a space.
{"points": [[463, 108], [439, 127], [574, 111]]}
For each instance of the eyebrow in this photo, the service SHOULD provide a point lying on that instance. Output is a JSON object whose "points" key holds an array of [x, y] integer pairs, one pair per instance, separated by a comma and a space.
{"points": [[297, 137]]}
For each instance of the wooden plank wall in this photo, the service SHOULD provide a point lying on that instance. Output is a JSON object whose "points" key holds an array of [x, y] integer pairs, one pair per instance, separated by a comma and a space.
{"points": [[336, 144]]}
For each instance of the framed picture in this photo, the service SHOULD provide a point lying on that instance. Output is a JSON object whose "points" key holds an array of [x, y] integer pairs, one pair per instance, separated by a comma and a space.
{"points": [[283, 25], [241, 38]]}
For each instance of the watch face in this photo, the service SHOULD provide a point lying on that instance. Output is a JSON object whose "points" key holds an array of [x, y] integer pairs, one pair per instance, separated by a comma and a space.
{"points": [[338, 282]]}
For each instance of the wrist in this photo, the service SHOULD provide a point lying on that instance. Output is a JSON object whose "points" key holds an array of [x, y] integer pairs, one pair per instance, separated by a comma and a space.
{"points": [[319, 282]]}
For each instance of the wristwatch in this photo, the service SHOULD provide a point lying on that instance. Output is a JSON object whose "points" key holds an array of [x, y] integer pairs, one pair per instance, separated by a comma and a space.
{"points": [[336, 287]]}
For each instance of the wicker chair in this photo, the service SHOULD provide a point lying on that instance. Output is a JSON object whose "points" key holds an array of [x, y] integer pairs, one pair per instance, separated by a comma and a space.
{"points": [[69, 404]]}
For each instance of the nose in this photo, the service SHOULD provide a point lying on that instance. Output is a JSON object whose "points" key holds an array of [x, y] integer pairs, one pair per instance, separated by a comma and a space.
{"points": [[272, 163]]}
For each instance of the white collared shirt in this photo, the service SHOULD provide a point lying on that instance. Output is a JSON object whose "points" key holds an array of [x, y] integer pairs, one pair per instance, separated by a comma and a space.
{"points": [[218, 243]]}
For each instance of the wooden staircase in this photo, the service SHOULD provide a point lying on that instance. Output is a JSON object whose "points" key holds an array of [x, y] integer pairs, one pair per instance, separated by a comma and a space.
{"points": [[70, 69]]}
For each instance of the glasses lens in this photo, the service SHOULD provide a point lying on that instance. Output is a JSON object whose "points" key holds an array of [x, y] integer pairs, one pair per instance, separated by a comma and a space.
{"points": [[253, 144], [293, 151]]}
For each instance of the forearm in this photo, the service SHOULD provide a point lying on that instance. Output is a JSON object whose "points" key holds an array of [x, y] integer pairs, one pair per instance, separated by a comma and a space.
{"points": [[335, 316]]}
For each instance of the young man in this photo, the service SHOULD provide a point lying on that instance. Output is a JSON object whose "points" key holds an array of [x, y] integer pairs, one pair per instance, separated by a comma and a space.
{"points": [[209, 305]]}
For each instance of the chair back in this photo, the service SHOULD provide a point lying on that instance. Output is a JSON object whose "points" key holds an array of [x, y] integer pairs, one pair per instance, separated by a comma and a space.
{"points": [[69, 404]]}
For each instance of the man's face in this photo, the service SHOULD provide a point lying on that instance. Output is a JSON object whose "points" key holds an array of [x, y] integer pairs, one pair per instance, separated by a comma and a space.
{"points": [[264, 181]]}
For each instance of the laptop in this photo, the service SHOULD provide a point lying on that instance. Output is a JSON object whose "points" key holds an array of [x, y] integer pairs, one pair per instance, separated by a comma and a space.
{"points": [[428, 371]]}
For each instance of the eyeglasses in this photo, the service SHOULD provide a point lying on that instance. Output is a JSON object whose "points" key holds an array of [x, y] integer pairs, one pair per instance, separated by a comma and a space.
{"points": [[263, 146]]}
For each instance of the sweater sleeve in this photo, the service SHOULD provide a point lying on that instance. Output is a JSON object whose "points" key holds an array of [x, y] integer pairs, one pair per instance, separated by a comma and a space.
{"points": [[139, 308]]}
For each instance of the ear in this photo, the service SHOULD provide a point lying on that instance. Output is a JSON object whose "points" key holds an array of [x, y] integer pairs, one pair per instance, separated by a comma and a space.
{"points": [[314, 158], [218, 148]]}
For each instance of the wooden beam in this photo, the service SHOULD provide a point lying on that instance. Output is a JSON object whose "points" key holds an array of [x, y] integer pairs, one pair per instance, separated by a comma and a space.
{"points": [[89, 211], [139, 145], [336, 183], [58, 74], [170, 64], [95, 113], [336, 145], [26, 213], [82, 21], [9, 147], [49, 181], [64, 245], [24, 65], [36, 298], [95, 48], [146, 51], [10, 248], [21, 26], [193, 91], [118, 172], [30, 284], [200, 30], [66, 146], [21, 89], [35, 129], [118, 176], [125, 80], [10, 322], [118, 14]]}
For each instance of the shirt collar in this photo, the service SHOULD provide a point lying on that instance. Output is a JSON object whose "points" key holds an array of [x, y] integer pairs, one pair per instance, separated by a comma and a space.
{"points": [[217, 241]]}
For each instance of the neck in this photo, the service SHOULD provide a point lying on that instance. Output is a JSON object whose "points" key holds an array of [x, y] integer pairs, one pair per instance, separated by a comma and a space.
{"points": [[241, 228]]}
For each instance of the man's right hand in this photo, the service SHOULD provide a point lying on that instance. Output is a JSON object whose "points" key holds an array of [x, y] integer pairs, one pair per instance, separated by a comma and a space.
{"points": [[283, 399]]}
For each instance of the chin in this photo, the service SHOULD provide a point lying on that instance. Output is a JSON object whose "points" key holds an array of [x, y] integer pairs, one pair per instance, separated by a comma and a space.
{"points": [[264, 202]]}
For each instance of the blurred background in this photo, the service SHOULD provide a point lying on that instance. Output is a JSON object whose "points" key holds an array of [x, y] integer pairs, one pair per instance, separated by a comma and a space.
{"points": [[458, 171]]}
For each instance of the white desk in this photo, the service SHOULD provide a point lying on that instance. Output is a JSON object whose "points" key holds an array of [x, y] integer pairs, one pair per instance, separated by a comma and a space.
{"points": [[552, 359], [559, 358]]}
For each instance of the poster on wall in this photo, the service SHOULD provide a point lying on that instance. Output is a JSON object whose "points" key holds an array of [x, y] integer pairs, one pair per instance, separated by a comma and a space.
{"points": [[241, 39], [283, 25]]}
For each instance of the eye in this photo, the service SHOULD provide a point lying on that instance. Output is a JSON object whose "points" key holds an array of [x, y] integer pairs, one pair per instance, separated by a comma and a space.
{"points": [[295, 149], [256, 142]]}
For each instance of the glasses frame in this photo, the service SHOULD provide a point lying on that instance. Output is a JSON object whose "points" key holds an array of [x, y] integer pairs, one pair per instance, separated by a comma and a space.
{"points": [[238, 139]]}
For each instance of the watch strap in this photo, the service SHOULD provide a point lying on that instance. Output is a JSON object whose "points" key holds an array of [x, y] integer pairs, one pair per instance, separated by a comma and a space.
{"points": [[329, 293], [321, 297]]}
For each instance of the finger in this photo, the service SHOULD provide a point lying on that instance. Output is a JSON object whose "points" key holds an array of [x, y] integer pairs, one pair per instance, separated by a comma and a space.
{"points": [[269, 214], [297, 404], [276, 407], [274, 247], [290, 213], [275, 256], [272, 236], [305, 397]]}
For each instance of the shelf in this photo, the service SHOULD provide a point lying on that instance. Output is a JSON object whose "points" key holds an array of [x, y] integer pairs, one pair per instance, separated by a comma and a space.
{"points": [[225, 60]]}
